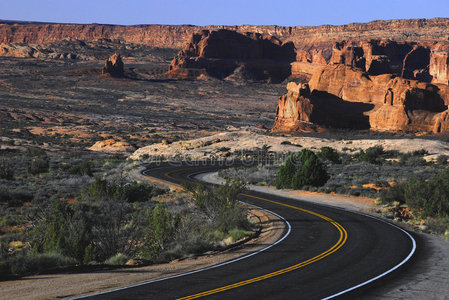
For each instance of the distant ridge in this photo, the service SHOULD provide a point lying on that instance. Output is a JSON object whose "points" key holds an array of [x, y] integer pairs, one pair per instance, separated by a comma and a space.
{"points": [[175, 36]]}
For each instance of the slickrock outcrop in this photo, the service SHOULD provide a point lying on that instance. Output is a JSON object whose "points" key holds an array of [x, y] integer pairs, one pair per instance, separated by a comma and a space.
{"points": [[226, 54], [114, 66], [346, 97], [112, 145]]}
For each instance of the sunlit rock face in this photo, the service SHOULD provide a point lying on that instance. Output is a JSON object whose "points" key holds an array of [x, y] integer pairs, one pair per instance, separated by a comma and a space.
{"points": [[114, 66], [341, 96]]}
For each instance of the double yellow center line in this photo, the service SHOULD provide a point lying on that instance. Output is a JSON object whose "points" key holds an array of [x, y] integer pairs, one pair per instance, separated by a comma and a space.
{"points": [[341, 241]]}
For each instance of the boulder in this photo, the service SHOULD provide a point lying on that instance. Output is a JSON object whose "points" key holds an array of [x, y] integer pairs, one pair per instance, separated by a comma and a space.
{"points": [[114, 66]]}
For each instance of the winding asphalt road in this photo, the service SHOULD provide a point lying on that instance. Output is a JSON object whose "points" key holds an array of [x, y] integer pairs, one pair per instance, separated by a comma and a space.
{"points": [[326, 252]]}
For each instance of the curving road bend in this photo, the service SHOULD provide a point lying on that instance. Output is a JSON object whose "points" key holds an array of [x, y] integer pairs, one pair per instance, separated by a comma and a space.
{"points": [[327, 253]]}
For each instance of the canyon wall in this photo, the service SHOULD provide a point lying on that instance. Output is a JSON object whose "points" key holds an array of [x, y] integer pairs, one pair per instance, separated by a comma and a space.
{"points": [[175, 36]]}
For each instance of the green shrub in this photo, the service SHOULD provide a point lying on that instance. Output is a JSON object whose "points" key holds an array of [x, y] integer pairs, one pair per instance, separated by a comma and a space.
{"points": [[82, 169], [238, 234], [63, 229], [330, 154], [427, 198], [90, 254], [372, 155], [302, 169], [117, 260], [38, 165], [160, 232], [221, 206], [30, 263], [101, 190], [6, 170], [286, 173]]}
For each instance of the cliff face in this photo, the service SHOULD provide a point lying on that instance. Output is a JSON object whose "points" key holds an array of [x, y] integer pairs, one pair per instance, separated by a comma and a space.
{"points": [[226, 54], [427, 62], [345, 97], [169, 36]]}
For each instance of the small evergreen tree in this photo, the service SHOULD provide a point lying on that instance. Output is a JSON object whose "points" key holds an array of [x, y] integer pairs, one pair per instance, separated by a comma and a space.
{"points": [[300, 170], [330, 154]]}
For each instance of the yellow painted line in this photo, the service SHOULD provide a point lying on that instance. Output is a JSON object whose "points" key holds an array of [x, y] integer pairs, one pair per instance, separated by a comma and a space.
{"points": [[341, 241]]}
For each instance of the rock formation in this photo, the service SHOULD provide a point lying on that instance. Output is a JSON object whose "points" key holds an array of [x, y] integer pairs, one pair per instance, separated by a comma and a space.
{"points": [[114, 66], [439, 64], [346, 97], [226, 54], [169, 36], [427, 62]]}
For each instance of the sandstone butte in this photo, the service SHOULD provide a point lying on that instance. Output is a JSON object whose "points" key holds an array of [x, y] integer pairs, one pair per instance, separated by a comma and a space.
{"points": [[345, 97], [114, 66], [372, 84], [226, 54]]}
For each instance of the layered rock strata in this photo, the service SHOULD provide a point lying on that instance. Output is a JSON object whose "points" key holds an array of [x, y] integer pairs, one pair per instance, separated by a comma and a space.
{"points": [[175, 36], [427, 62], [230, 55], [345, 97]]}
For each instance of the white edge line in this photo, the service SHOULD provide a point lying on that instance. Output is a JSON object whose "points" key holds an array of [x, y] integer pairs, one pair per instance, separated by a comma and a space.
{"points": [[376, 218], [386, 272], [202, 269], [278, 241]]}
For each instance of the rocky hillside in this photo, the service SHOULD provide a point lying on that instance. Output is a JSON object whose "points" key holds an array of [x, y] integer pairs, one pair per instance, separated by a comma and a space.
{"points": [[172, 36]]}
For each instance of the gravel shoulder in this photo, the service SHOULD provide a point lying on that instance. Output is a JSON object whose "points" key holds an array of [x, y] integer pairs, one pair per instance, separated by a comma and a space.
{"points": [[426, 278]]}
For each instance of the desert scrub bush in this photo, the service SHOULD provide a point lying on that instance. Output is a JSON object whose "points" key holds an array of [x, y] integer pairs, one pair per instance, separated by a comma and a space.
{"points": [[414, 158], [117, 260], [426, 198], [102, 190], [300, 170], [63, 228], [437, 225], [31, 263], [83, 168], [38, 165], [372, 155], [220, 205], [261, 174], [330, 154], [6, 170], [159, 233]]}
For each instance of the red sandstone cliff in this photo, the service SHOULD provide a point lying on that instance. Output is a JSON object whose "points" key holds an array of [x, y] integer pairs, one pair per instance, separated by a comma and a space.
{"points": [[175, 36], [226, 54], [346, 97]]}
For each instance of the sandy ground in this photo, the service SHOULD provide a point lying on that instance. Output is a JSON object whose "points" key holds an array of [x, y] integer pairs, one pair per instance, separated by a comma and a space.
{"points": [[61, 286], [426, 278]]}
